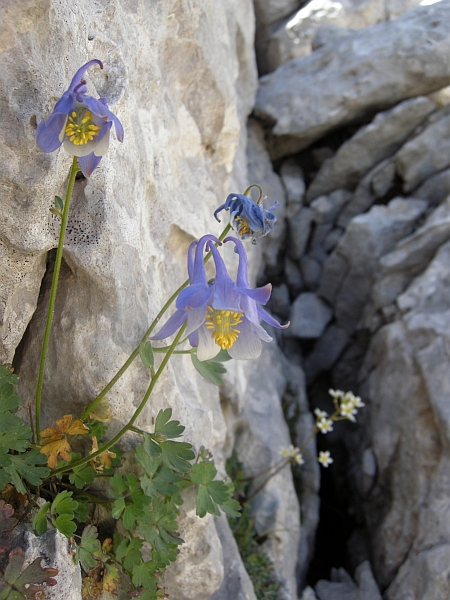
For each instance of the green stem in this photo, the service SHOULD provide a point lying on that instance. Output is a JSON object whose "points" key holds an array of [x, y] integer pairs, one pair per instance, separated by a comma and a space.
{"points": [[51, 308], [131, 422]]}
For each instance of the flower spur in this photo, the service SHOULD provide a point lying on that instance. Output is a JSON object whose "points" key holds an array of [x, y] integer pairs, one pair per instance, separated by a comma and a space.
{"points": [[79, 123]]}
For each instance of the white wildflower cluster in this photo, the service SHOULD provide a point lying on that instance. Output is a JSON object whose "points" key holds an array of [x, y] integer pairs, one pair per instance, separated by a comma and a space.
{"points": [[325, 458], [293, 454], [348, 403], [323, 423]]}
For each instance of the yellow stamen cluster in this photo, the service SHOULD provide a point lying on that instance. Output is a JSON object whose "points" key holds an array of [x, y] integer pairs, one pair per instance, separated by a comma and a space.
{"points": [[223, 323], [80, 128], [242, 226]]}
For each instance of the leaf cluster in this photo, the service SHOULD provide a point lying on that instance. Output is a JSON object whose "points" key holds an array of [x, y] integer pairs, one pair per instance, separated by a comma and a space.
{"points": [[17, 583], [18, 462], [60, 512]]}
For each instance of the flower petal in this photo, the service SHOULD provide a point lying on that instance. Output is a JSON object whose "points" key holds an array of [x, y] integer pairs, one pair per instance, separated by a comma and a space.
{"points": [[207, 347], [261, 294], [174, 323], [194, 296], [264, 315], [102, 110], [248, 343], [89, 163], [48, 134], [193, 339], [199, 275], [190, 259], [225, 296], [195, 319], [77, 78]]}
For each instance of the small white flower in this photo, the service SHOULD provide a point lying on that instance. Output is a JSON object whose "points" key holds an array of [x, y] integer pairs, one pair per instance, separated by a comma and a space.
{"points": [[336, 393], [293, 454], [299, 459], [348, 411], [324, 425], [325, 458], [321, 414]]}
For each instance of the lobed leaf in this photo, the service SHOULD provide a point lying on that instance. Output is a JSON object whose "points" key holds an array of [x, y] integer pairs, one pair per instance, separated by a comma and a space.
{"points": [[27, 466], [211, 371], [89, 545]]}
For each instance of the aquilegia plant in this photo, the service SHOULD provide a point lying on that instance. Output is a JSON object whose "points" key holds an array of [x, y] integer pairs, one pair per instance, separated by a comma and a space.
{"points": [[39, 469]]}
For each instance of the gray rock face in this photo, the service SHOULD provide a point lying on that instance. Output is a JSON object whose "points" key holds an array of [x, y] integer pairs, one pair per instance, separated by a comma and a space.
{"points": [[370, 145], [309, 317], [296, 35], [53, 547], [252, 399], [303, 97], [342, 587], [426, 154], [348, 275]]}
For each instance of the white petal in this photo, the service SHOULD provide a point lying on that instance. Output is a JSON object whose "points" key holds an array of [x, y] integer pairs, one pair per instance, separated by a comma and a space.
{"points": [[207, 347], [248, 343]]}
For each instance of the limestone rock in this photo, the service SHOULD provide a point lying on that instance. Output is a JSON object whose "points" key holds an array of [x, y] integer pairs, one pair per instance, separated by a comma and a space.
{"points": [[299, 227], [410, 256], [426, 154], [236, 583], [295, 36], [326, 352], [53, 546], [309, 317], [370, 145], [254, 391], [342, 587], [303, 97], [348, 275], [294, 184], [435, 189]]}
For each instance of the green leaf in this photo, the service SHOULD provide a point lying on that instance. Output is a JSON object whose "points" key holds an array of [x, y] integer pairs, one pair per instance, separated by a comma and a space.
{"points": [[209, 370], [81, 476], [129, 551], [169, 429], [176, 455], [81, 513], [144, 575], [65, 524], [232, 508], [14, 434], [64, 503], [96, 429], [40, 520], [203, 473], [118, 508], [26, 465], [204, 503], [89, 545], [146, 354], [223, 356], [59, 204], [149, 463]]}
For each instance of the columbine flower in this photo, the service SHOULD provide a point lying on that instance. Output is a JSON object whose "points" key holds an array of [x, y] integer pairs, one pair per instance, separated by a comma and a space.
{"points": [[293, 454], [80, 123], [325, 458], [324, 425], [248, 218], [222, 314]]}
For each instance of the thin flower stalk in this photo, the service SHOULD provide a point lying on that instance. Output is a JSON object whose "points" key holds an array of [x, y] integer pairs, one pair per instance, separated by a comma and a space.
{"points": [[51, 307]]}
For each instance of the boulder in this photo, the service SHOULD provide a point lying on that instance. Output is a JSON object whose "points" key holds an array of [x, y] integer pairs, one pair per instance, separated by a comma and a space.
{"points": [[370, 70], [309, 317], [370, 145]]}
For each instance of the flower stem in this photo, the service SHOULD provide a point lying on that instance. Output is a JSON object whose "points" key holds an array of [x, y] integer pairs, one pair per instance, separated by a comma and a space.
{"points": [[131, 422], [51, 307]]}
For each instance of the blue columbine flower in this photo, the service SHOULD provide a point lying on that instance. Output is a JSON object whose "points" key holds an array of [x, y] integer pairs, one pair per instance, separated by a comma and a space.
{"points": [[248, 218], [223, 314], [80, 123]]}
